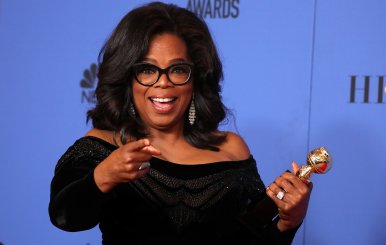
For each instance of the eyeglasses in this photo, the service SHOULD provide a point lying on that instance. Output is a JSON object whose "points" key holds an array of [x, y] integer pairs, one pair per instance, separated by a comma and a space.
{"points": [[148, 74]]}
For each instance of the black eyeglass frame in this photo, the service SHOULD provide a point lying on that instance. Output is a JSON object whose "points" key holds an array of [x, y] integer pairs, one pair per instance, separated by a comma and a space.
{"points": [[163, 71]]}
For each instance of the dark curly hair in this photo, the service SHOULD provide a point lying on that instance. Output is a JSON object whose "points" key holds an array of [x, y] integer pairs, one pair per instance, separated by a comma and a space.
{"points": [[129, 43]]}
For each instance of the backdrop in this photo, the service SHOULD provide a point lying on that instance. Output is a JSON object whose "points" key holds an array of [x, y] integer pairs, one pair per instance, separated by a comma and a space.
{"points": [[298, 75]]}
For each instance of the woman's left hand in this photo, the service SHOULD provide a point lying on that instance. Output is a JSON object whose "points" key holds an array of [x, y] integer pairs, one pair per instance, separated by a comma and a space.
{"points": [[294, 203]]}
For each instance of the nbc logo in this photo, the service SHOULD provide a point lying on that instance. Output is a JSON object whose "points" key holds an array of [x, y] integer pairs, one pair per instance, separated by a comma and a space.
{"points": [[88, 84]]}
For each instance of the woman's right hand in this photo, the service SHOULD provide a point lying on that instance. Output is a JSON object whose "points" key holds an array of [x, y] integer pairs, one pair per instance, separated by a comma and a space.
{"points": [[123, 164]]}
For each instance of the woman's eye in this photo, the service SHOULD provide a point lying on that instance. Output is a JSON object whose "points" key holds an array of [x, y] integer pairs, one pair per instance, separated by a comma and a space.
{"points": [[147, 70], [180, 69]]}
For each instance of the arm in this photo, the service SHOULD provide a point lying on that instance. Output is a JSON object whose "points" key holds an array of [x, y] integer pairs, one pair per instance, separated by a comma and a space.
{"points": [[291, 211], [259, 217], [292, 208], [86, 176], [76, 201]]}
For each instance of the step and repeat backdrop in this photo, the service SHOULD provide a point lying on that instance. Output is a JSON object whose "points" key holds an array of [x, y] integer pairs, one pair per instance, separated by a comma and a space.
{"points": [[299, 74]]}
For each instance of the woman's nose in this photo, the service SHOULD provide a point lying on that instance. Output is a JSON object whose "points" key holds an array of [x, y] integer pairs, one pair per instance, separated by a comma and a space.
{"points": [[163, 82]]}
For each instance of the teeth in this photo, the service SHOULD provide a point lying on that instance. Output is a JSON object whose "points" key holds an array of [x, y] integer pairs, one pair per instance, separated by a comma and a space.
{"points": [[162, 100]]}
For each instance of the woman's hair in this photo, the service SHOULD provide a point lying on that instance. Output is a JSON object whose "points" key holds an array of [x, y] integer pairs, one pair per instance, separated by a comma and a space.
{"points": [[129, 43]]}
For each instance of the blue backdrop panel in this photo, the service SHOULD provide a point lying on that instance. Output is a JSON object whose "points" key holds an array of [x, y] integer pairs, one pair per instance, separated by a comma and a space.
{"points": [[349, 42], [290, 69], [45, 46]]}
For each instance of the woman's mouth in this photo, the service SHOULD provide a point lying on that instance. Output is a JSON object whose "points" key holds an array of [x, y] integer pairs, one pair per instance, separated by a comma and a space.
{"points": [[163, 104]]}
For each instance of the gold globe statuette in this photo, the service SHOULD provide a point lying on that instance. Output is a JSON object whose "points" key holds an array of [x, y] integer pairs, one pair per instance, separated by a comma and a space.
{"points": [[319, 161]]}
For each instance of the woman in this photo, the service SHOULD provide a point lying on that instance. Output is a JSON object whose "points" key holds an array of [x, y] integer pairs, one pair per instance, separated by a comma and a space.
{"points": [[155, 168]]}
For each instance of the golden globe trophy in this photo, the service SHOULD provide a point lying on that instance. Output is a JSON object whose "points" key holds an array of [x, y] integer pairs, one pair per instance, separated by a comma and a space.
{"points": [[319, 161]]}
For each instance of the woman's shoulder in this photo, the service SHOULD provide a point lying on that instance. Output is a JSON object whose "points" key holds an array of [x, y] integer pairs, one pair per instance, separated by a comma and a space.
{"points": [[91, 147], [235, 147], [104, 135], [94, 140]]}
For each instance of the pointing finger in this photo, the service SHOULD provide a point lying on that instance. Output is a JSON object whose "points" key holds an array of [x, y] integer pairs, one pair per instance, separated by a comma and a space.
{"points": [[136, 145], [151, 150]]}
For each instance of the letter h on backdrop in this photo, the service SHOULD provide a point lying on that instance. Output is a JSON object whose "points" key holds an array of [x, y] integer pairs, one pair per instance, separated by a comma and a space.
{"points": [[366, 89]]}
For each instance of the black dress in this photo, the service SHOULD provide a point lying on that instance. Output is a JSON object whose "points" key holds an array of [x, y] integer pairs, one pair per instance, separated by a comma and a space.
{"points": [[172, 204]]}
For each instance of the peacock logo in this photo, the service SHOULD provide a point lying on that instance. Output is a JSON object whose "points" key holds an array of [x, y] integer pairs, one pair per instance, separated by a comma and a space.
{"points": [[88, 84]]}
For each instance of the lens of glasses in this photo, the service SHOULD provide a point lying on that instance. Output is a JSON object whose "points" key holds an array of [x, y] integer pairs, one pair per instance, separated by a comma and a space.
{"points": [[179, 74], [148, 74], [145, 73]]}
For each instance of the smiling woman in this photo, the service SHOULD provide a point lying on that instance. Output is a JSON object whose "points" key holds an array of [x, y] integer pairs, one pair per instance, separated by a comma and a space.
{"points": [[133, 43], [155, 169]]}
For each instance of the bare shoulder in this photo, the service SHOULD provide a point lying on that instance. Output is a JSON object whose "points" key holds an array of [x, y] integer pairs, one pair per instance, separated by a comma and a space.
{"points": [[101, 134], [235, 147]]}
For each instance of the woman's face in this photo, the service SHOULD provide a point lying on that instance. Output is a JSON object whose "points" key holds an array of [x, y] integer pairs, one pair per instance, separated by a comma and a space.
{"points": [[163, 105]]}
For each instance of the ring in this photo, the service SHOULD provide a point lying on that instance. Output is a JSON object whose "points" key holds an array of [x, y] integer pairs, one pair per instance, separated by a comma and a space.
{"points": [[144, 165], [280, 195]]}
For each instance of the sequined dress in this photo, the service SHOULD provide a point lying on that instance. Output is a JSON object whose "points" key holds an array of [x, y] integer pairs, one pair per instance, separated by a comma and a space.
{"points": [[172, 204]]}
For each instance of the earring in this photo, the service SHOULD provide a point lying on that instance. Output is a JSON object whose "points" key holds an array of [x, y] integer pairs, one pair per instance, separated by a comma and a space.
{"points": [[132, 110], [192, 112]]}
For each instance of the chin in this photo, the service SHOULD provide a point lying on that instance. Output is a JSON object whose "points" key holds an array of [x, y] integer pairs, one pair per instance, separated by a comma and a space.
{"points": [[165, 124]]}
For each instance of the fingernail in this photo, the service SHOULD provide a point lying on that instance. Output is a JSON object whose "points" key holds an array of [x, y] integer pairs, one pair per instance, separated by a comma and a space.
{"points": [[144, 165]]}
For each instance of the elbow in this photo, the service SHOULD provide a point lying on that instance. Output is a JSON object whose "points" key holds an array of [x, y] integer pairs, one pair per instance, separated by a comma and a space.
{"points": [[64, 221]]}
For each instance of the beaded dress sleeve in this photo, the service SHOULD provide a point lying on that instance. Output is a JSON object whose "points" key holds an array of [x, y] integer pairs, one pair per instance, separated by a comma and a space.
{"points": [[76, 201]]}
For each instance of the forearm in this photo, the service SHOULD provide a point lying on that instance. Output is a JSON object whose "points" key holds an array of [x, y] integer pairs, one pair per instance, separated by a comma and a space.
{"points": [[277, 236], [77, 205], [258, 220]]}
